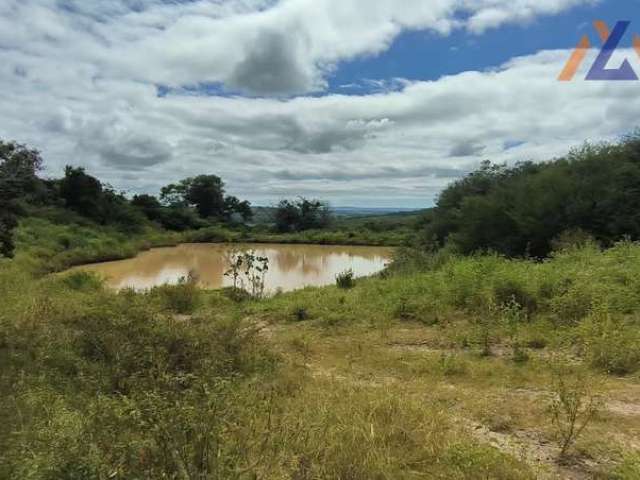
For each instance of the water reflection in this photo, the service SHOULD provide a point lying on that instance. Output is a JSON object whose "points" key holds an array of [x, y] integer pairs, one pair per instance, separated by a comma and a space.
{"points": [[291, 266]]}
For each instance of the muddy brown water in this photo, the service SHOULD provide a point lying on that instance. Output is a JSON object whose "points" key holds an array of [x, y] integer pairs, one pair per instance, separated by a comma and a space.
{"points": [[291, 267]]}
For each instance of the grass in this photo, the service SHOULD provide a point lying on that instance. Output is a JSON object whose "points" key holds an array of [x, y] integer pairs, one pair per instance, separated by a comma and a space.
{"points": [[55, 242], [384, 380]]}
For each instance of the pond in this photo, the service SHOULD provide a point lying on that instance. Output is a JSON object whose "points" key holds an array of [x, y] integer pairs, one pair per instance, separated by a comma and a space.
{"points": [[290, 266]]}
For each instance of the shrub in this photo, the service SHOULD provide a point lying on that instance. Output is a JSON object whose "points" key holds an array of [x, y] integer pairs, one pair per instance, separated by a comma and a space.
{"points": [[452, 365], [183, 298], [346, 280], [509, 292], [300, 314], [574, 404], [83, 281], [628, 470], [610, 344]]}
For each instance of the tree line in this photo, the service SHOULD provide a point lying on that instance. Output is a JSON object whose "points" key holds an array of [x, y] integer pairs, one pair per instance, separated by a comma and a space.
{"points": [[521, 211], [189, 204]]}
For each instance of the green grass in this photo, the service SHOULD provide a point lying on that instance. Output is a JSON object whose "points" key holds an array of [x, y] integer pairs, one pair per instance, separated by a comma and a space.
{"points": [[384, 380]]}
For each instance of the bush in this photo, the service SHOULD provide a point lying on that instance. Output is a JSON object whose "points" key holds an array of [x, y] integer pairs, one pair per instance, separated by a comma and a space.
{"points": [[83, 281], [610, 344], [300, 314], [183, 298], [346, 280], [452, 365], [509, 291], [574, 405]]}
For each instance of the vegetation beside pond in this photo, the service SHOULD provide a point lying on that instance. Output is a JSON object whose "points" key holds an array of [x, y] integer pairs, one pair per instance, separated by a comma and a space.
{"points": [[453, 363]]}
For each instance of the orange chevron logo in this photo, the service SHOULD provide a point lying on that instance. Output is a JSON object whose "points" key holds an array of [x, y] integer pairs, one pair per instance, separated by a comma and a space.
{"points": [[610, 40]]}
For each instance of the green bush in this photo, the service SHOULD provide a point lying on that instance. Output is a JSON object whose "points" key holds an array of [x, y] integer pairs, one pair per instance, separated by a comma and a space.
{"points": [[346, 280], [611, 344], [183, 298], [83, 281], [300, 314], [508, 291]]}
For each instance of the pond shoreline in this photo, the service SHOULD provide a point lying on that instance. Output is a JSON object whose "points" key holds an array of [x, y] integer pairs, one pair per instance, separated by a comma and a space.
{"points": [[291, 266]]}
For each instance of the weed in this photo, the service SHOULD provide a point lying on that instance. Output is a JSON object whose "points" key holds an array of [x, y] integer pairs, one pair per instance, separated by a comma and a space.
{"points": [[346, 279], [574, 405], [183, 298], [300, 314]]}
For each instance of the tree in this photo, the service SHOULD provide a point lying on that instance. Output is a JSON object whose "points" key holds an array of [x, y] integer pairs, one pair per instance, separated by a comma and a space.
{"points": [[81, 192], [519, 211], [19, 166], [232, 206], [207, 195], [300, 215], [204, 192], [149, 205], [173, 195]]}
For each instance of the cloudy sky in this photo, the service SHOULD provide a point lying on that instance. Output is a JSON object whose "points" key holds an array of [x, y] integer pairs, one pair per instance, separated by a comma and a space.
{"points": [[360, 102]]}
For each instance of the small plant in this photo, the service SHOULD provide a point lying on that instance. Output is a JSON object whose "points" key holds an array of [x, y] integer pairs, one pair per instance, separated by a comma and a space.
{"points": [[300, 314], [536, 343], [483, 334], [451, 365], [405, 310], [182, 298], [512, 317], [346, 279], [510, 293], [83, 281], [611, 345], [248, 272], [574, 404]]}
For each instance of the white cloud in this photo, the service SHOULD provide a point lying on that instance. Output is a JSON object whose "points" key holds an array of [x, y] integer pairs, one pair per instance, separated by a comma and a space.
{"points": [[78, 79]]}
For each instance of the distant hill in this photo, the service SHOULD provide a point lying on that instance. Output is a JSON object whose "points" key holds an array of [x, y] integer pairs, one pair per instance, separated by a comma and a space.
{"points": [[362, 211], [264, 215]]}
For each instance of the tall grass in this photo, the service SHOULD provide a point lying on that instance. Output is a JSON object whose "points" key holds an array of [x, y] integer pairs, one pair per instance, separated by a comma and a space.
{"points": [[100, 384]]}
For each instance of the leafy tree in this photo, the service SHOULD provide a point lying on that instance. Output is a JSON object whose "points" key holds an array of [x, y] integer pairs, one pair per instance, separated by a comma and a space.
{"points": [[149, 205], [232, 205], [81, 192], [173, 195], [287, 216], [207, 195], [87, 196], [114, 209], [300, 215], [521, 210], [19, 166]]}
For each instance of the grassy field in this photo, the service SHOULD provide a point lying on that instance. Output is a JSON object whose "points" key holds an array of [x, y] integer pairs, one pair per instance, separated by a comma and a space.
{"points": [[441, 367]]}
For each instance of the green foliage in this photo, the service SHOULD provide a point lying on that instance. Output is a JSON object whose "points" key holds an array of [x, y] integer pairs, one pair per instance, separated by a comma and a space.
{"points": [[206, 193], [300, 314], [248, 273], [18, 178], [628, 470], [83, 281], [301, 215], [520, 211], [611, 344], [574, 405], [183, 298], [101, 383], [346, 280]]}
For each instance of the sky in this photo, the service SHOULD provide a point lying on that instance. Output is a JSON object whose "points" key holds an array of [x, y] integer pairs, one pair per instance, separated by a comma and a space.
{"points": [[366, 103]]}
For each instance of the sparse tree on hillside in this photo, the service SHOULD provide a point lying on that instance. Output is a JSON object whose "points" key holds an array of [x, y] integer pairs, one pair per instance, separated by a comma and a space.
{"points": [[300, 215], [207, 195], [81, 192], [18, 177]]}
